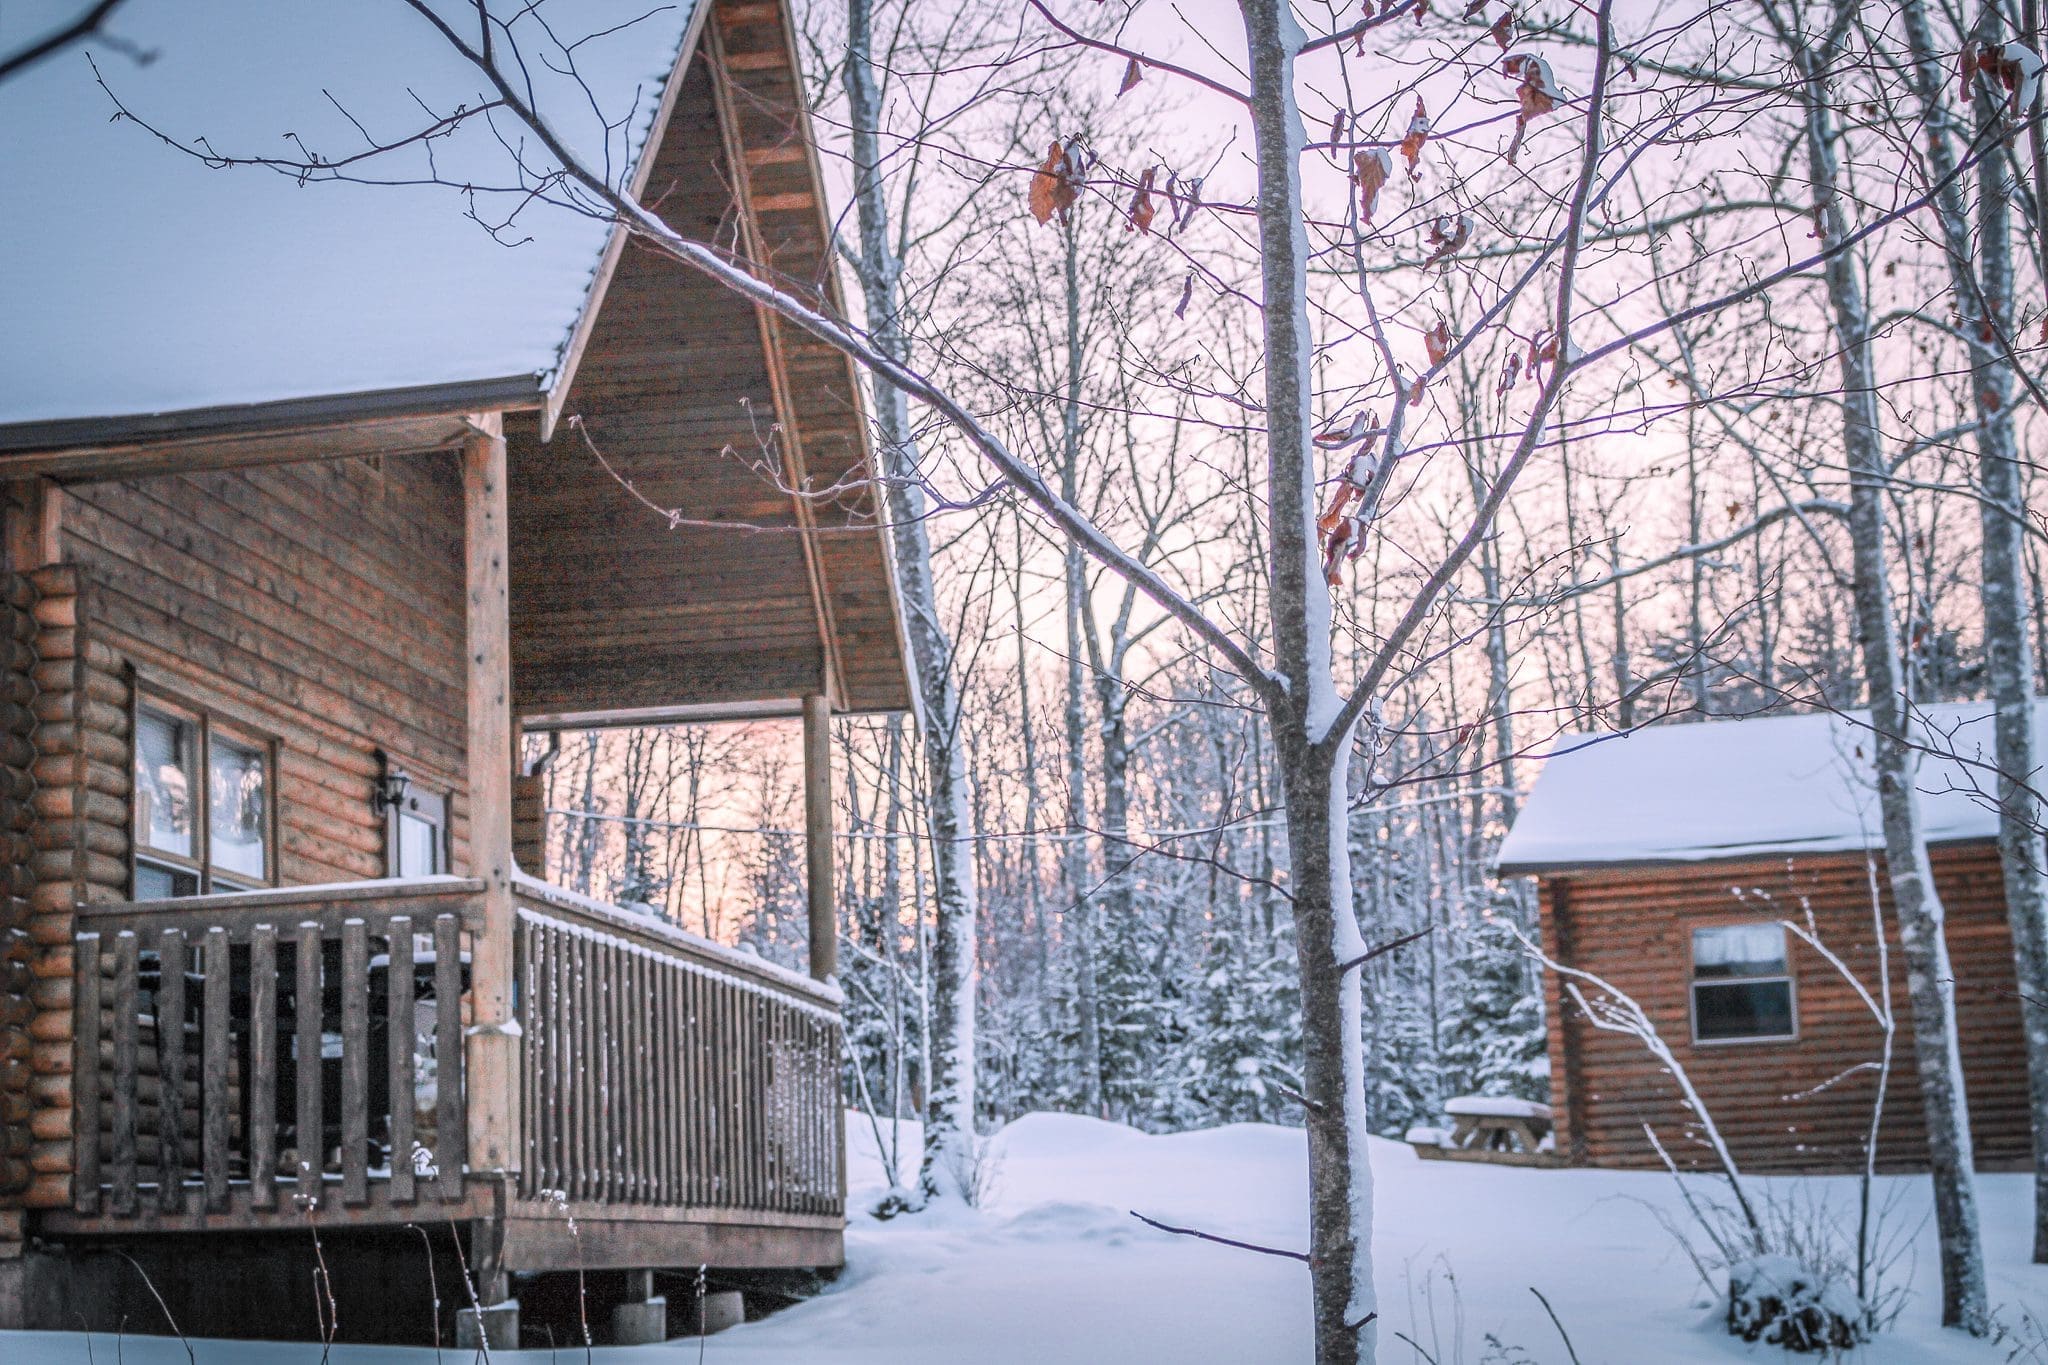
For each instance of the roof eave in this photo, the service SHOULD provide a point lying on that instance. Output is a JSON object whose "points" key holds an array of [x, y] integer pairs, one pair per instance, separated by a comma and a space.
{"points": [[507, 393]]}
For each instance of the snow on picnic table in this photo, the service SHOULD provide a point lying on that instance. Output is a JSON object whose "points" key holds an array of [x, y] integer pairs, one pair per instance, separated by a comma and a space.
{"points": [[1055, 1269]]}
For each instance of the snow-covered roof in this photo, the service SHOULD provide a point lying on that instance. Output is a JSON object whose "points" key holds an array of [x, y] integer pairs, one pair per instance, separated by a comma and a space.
{"points": [[144, 291], [1740, 788]]}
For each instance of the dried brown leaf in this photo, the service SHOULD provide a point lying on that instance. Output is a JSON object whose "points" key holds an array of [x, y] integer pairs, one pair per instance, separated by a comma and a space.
{"points": [[1142, 209], [1438, 343], [1371, 168], [1134, 71], [1052, 185], [1418, 133]]}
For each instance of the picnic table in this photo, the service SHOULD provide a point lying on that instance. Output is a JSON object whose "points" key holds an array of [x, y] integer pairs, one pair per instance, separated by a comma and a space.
{"points": [[1495, 1128]]}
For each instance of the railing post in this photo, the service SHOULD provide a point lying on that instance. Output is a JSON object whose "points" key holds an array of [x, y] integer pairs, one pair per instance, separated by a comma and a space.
{"points": [[492, 1070], [824, 928]]}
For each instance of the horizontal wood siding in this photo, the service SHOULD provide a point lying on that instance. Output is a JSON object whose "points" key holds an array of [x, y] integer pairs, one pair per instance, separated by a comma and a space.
{"points": [[319, 603], [1633, 928], [612, 606]]}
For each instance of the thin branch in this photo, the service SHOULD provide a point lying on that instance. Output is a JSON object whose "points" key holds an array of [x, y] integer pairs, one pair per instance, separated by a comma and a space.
{"points": [[1301, 1256]]}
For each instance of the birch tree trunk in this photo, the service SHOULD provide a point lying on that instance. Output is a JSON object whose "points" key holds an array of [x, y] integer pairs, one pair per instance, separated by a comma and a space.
{"points": [[949, 1084], [1983, 286], [1929, 979]]}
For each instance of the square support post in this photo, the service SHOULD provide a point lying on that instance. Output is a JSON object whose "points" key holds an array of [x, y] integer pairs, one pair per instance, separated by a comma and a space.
{"points": [[493, 1036], [824, 927]]}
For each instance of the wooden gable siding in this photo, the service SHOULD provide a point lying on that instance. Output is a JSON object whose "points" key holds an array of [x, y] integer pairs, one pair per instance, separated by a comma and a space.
{"points": [[320, 604], [763, 107], [1633, 928], [611, 607]]}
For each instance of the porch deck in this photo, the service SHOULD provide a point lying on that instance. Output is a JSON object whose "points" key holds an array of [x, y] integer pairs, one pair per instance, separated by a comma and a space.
{"points": [[676, 1100]]}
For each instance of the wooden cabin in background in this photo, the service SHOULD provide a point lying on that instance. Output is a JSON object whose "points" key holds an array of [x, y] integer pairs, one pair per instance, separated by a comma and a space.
{"points": [[298, 542], [1666, 861]]}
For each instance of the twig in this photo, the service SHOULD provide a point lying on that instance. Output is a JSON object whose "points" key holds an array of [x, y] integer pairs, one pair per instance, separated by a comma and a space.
{"points": [[1564, 1335], [433, 1287], [483, 1343], [81, 28], [1385, 948], [1301, 1256], [150, 1285]]}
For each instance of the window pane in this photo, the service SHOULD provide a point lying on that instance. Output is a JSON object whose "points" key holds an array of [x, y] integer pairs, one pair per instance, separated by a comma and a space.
{"points": [[1746, 1009], [419, 846], [238, 812], [1727, 950], [163, 782], [153, 883]]}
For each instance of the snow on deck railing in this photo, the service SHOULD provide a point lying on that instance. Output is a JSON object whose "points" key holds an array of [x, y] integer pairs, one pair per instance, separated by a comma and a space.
{"points": [[627, 923]]}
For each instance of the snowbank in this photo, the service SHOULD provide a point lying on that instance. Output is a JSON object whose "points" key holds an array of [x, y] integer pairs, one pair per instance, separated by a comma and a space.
{"points": [[1055, 1269]]}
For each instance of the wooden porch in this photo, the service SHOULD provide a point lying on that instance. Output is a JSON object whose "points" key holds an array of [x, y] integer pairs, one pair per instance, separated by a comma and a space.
{"points": [[677, 1100]]}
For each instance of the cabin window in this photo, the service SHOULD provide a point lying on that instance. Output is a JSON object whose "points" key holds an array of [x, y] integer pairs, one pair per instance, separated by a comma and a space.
{"points": [[204, 798], [1741, 985], [416, 835]]}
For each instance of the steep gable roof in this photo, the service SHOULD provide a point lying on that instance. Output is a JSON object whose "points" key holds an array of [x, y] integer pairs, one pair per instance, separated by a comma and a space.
{"points": [[146, 296], [1747, 788]]}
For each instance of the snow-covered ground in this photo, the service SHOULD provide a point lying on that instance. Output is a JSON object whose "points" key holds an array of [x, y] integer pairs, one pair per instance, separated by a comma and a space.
{"points": [[1055, 1269]]}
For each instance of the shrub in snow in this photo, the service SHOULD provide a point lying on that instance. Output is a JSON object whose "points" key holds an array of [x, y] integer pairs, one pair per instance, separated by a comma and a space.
{"points": [[1776, 1300]]}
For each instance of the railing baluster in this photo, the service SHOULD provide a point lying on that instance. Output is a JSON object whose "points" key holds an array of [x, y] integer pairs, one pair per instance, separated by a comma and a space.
{"points": [[170, 1053], [262, 1081], [86, 1070], [213, 1076], [560, 1056], [640, 1085], [607, 1073], [525, 967], [355, 1062], [126, 1008], [671, 1107], [401, 1026], [312, 1141], [587, 1098], [451, 1135]]}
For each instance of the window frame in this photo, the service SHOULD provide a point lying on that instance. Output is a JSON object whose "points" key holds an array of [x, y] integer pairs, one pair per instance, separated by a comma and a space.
{"points": [[394, 814], [1789, 977], [147, 695]]}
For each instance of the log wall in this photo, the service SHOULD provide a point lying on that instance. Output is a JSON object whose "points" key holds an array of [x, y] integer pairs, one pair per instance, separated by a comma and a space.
{"points": [[1772, 1099], [17, 950], [82, 775], [319, 603]]}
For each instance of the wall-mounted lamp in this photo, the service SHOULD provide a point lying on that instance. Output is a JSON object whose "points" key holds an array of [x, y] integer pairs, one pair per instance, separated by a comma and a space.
{"points": [[390, 786]]}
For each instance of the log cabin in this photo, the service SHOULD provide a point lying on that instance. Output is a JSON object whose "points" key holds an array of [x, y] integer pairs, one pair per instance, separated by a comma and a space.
{"points": [[1668, 862], [317, 498]]}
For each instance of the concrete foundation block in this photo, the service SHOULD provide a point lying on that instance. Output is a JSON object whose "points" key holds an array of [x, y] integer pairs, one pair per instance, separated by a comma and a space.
{"points": [[721, 1308], [494, 1326], [640, 1324], [13, 1294]]}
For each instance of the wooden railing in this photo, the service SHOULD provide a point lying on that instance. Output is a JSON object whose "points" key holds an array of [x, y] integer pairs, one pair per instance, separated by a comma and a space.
{"points": [[304, 1043], [662, 1069]]}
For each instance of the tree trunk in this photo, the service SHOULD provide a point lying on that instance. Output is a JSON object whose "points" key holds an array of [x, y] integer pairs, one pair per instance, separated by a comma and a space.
{"points": [[1982, 288], [1074, 859], [1929, 979], [1302, 710], [949, 1096]]}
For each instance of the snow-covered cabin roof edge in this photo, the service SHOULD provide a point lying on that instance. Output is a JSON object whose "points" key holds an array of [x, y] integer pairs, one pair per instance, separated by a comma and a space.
{"points": [[116, 371], [1732, 789]]}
